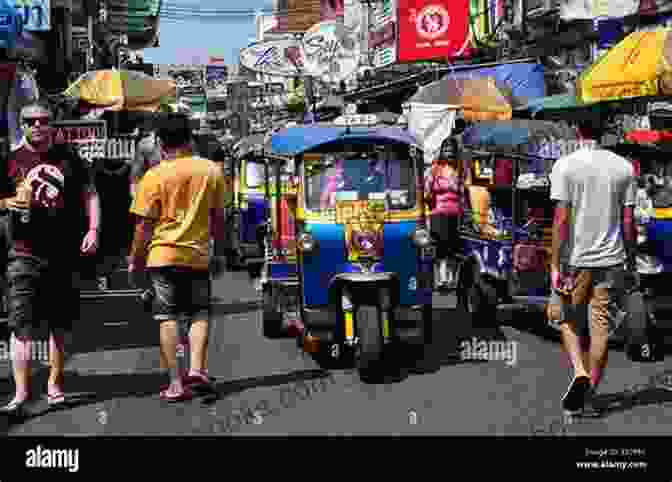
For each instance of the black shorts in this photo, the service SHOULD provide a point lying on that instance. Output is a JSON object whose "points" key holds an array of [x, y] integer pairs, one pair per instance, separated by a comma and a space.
{"points": [[180, 293], [444, 230], [41, 291]]}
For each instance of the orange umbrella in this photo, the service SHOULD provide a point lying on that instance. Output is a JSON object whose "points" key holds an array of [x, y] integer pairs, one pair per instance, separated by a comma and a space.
{"points": [[122, 90]]}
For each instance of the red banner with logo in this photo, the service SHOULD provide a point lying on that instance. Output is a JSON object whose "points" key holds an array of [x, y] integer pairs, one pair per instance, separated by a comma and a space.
{"points": [[432, 29]]}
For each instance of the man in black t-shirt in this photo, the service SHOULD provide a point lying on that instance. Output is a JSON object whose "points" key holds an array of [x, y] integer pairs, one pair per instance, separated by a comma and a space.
{"points": [[50, 198]]}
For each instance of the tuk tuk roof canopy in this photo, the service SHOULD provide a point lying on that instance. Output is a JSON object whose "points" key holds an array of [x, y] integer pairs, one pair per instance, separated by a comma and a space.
{"points": [[297, 140], [517, 133]]}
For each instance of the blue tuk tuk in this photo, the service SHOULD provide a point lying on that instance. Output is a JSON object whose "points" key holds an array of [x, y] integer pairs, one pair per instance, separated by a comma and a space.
{"points": [[506, 227], [249, 212], [364, 253]]}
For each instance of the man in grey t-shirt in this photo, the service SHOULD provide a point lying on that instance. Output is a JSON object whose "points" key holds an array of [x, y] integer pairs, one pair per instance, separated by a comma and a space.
{"points": [[594, 230]]}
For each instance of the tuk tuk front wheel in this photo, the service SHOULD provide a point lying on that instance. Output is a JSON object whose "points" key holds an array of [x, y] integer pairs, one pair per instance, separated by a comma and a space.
{"points": [[370, 346]]}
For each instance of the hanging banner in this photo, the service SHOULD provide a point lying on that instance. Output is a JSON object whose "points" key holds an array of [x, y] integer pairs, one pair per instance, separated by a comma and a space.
{"points": [[383, 33], [90, 139], [432, 29], [36, 14], [282, 57], [330, 51]]}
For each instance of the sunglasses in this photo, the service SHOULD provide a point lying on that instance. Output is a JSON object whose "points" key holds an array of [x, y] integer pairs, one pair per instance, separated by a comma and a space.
{"points": [[32, 121]]}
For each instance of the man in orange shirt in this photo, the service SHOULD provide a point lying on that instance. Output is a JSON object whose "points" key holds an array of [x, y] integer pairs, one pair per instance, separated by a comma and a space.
{"points": [[179, 204]]}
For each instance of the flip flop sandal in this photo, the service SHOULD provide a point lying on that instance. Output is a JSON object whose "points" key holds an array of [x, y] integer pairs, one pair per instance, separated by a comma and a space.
{"points": [[56, 399], [186, 395], [200, 384]]}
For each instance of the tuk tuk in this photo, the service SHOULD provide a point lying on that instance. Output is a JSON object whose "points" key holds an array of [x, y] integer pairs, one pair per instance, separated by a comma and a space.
{"points": [[364, 254], [243, 246], [651, 151], [505, 229], [279, 280]]}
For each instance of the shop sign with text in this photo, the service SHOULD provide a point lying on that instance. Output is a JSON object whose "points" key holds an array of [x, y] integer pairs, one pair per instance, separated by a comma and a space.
{"points": [[35, 14], [282, 57], [432, 29], [383, 33], [90, 139]]}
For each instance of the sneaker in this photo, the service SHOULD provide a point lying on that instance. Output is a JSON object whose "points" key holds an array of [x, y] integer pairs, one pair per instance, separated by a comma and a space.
{"points": [[575, 398], [590, 407]]}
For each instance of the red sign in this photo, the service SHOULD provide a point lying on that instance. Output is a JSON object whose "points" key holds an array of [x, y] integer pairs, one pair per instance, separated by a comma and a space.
{"points": [[432, 29]]}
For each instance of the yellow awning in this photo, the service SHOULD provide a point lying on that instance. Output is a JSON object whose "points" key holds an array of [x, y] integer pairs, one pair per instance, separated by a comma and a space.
{"points": [[638, 66]]}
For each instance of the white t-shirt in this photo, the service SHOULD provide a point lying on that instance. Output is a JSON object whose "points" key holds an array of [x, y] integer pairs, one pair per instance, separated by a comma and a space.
{"points": [[597, 184]]}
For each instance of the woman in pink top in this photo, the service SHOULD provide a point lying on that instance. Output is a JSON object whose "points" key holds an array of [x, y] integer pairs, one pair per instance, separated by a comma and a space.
{"points": [[444, 190]]}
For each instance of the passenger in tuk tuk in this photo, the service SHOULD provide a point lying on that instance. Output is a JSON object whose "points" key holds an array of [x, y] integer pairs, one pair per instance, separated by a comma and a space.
{"points": [[593, 239], [443, 191], [347, 176]]}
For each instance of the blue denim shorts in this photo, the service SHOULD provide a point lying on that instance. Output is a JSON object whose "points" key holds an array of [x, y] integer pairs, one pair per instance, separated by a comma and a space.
{"points": [[180, 294]]}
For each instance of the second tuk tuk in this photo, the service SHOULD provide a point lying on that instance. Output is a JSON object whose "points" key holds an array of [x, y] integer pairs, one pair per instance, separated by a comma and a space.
{"points": [[279, 280], [364, 254], [247, 217], [505, 230]]}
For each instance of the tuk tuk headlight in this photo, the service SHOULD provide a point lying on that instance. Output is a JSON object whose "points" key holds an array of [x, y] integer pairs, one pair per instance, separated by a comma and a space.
{"points": [[306, 242], [422, 238]]}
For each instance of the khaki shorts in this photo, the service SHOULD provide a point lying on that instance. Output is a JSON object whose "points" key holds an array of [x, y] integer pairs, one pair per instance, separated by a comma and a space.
{"points": [[594, 302]]}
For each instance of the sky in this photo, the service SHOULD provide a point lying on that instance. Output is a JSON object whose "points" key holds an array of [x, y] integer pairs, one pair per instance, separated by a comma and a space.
{"points": [[193, 41]]}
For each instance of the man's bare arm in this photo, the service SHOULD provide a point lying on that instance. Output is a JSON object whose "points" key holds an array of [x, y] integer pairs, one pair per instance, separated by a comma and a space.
{"points": [[560, 234], [629, 232], [144, 229], [217, 226]]}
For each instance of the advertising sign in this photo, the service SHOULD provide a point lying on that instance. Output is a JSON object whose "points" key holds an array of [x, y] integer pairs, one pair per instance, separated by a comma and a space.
{"points": [[384, 33], [432, 29], [36, 14], [330, 51], [90, 139], [282, 57], [215, 76]]}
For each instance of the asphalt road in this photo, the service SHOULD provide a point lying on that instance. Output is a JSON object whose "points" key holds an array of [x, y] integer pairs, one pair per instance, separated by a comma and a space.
{"points": [[269, 387]]}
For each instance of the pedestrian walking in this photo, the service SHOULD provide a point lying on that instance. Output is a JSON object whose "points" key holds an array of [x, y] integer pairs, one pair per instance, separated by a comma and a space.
{"points": [[593, 245], [443, 191], [179, 204], [54, 218]]}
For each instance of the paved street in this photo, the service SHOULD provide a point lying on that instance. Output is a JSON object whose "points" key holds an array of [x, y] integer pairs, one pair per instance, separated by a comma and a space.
{"points": [[287, 393]]}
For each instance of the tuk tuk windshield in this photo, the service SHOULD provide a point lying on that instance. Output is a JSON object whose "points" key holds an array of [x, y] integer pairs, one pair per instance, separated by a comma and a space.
{"points": [[361, 176]]}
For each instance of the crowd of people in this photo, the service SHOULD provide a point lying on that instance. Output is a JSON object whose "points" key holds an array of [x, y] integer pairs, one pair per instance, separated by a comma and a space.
{"points": [[52, 213]]}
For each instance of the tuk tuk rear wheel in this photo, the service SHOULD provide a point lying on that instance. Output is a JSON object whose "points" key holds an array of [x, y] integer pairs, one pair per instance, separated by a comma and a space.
{"points": [[272, 319], [479, 299], [370, 346]]}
